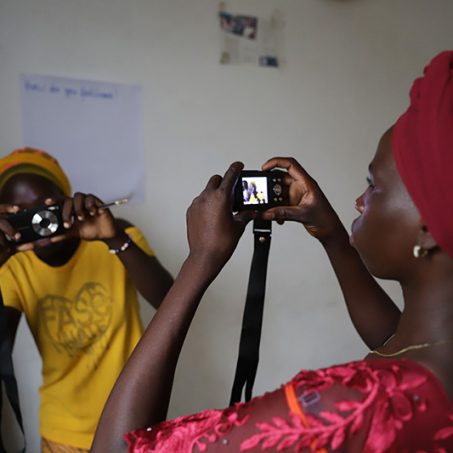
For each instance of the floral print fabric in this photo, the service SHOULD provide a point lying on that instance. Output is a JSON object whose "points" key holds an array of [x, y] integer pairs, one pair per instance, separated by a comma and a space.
{"points": [[370, 406]]}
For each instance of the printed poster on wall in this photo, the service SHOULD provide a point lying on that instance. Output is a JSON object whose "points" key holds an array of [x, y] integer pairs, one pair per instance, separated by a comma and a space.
{"points": [[95, 130], [251, 39]]}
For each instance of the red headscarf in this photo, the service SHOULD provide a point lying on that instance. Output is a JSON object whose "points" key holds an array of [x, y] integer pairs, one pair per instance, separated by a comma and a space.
{"points": [[422, 142]]}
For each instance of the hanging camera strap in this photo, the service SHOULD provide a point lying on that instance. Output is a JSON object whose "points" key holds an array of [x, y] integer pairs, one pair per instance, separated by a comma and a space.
{"points": [[7, 373], [252, 321]]}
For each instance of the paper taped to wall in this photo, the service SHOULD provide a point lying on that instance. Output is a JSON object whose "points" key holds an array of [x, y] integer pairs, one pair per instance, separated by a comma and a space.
{"points": [[249, 39], [95, 130]]}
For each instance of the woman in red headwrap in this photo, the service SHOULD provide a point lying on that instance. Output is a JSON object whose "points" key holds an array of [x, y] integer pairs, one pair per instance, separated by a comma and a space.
{"points": [[399, 397]]}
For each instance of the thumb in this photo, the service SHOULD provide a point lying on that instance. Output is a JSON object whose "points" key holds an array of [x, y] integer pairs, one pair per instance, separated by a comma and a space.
{"points": [[281, 214]]}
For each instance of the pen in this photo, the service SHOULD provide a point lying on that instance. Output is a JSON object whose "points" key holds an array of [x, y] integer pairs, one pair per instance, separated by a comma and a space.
{"points": [[118, 202]]}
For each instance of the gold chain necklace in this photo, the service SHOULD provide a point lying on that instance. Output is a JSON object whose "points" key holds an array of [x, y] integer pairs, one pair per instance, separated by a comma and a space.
{"points": [[409, 348]]}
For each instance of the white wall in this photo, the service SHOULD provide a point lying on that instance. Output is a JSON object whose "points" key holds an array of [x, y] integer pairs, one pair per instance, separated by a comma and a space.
{"points": [[349, 66]]}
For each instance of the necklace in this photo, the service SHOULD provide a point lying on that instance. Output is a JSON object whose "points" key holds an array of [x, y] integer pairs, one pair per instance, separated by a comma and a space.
{"points": [[409, 348]]}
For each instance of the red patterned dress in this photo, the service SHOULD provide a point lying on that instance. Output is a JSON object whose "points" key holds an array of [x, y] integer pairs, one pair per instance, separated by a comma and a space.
{"points": [[371, 406]]}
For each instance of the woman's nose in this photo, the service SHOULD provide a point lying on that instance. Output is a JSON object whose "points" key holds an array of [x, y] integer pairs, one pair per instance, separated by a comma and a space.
{"points": [[359, 204]]}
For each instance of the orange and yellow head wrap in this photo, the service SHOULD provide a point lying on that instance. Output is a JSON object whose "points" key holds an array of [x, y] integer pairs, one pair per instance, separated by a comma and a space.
{"points": [[34, 161]]}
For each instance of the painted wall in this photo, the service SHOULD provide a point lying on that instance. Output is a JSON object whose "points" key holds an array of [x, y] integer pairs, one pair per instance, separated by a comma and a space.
{"points": [[349, 66]]}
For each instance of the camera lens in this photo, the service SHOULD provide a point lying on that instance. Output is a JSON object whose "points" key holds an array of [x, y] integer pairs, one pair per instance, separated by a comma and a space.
{"points": [[44, 223]]}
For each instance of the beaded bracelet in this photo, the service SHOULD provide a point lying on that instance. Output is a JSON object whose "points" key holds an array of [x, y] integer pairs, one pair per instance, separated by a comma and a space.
{"points": [[124, 247]]}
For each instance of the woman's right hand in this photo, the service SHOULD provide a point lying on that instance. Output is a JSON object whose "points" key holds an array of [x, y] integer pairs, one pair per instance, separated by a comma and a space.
{"points": [[8, 247], [213, 230], [307, 203]]}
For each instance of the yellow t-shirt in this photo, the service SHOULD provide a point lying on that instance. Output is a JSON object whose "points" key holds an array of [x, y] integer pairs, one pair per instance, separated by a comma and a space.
{"points": [[84, 317]]}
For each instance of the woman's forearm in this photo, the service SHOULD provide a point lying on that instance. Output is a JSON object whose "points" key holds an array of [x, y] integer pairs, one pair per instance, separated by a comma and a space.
{"points": [[150, 278], [141, 394], [373, 313]]}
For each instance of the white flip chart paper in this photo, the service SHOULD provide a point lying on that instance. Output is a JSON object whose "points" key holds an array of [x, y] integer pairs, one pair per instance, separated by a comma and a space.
{"points": [[94, 129]]}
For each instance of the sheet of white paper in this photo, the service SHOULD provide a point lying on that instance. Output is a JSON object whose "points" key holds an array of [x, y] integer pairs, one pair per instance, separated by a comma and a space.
{"points": [[95, 130]]}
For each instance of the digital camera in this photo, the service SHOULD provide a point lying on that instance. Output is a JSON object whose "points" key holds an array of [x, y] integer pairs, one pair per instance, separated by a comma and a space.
{"points": [[260, 190], [37, 223]]}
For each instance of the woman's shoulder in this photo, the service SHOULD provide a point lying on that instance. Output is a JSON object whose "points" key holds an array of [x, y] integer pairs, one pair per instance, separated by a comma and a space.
{"points": [[370, 369], [19, 262], [376, 405], [383, 373]]}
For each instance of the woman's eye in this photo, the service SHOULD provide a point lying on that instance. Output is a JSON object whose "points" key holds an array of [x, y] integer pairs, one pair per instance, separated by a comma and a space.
{"points": [[369, 182]]}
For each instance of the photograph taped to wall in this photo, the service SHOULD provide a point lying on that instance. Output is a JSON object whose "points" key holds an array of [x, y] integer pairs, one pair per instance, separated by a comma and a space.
{"points": [[252, 40], [239, 25]]}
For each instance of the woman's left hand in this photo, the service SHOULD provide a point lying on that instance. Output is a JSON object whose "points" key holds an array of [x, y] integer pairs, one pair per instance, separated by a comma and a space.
{"points": [[213, 230], [83, 217]]}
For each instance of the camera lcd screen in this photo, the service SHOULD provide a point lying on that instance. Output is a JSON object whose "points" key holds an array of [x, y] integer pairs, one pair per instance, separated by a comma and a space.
{"points": [[254, 190]]}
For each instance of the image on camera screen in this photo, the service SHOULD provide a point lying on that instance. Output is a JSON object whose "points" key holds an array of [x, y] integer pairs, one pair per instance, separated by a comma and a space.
{"points": [[254, 190]]}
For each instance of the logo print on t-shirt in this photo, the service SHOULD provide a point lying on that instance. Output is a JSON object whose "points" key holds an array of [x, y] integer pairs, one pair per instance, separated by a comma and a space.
{"points": [[76, 325]]}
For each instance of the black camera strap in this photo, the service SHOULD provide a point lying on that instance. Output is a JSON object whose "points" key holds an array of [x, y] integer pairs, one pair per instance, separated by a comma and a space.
{"points": [[249, 345], [7, 373]]}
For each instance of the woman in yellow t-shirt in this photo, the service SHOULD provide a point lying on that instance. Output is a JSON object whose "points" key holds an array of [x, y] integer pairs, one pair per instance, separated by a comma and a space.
{"points": [[77, 290]]}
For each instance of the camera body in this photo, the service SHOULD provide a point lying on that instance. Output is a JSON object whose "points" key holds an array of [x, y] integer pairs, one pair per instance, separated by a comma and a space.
{"points": [[37, 223], [260, 190]]}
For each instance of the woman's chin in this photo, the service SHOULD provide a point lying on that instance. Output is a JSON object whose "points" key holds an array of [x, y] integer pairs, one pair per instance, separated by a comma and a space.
{"points": [[351, 236]]}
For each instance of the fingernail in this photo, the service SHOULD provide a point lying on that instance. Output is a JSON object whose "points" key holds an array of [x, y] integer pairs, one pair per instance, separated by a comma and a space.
{"points": [[80, 217], [92, 213], [17, 236], [67, 225], [15, 208]]}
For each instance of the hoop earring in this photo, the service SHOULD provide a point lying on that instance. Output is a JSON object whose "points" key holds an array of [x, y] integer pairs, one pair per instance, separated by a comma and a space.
{"points": [[419, 251]]}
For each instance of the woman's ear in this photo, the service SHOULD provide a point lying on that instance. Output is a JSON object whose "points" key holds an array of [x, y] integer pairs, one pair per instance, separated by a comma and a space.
{"points": [[425, 243]]}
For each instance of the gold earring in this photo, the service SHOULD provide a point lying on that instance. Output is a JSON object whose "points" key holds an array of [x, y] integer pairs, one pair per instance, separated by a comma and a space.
{"points": [[419, 251]]}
